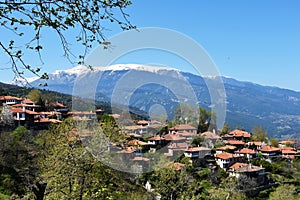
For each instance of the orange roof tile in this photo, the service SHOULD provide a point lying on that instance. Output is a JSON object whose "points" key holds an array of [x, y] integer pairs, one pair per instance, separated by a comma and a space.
{"points": [[210, 135], [136, 142], [226, 147], [226, 156], [17, 110], [178, 146], [240, 133], [197, 149], [9, 98], [269, 149], [173, 137], [156, 138], [288, 152], [256, 143], [235, 142], [247, 151], [186, 134], [31, 112], [238, 165], [27, 101], [244, 168]]}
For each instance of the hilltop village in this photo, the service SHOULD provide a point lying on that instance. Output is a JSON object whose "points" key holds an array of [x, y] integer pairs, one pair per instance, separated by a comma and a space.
{"points": [[237, 153]]}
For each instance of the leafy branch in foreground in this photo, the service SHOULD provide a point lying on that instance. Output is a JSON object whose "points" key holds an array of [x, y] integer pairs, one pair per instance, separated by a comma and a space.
{"points": [[34, 16]]}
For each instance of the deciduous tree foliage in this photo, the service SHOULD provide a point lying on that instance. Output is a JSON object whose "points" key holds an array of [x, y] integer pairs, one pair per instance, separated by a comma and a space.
{"points": [[72, 172], [87, 18], [258, 134]]}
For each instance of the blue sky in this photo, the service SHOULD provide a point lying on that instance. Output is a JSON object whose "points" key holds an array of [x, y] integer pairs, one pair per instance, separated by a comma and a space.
{"points": [[257, 40]]}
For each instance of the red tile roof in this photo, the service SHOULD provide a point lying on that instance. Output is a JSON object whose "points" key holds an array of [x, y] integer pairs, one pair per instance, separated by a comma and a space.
{"points": [[17, 110], [269, 149], [244, 168], [255, 143], [210, 135], [156, 138], [173, 137], [197, 149], [178, 146], [142, 122], [246, 151], [186, 134], [289, 152], [240, 133], [2, 98], [226, 147], [238, 165], [181, 127], [31, 112], [235, 142], [136, 142], [226, 156], [27, 101]]}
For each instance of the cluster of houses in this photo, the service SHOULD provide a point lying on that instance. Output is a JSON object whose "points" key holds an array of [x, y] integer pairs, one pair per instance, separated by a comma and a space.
{"points": [[234, 156], [143, 137], [26, 113]]}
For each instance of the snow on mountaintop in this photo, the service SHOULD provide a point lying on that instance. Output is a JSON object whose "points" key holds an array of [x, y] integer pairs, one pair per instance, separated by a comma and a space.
{"points": [[118, 67]]}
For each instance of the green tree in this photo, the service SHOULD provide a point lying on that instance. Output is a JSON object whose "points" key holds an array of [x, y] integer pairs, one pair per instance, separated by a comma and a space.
{"points": [[184, 114], [169, 183], [225, 129], [228, 190], [274, 142], [38, 17], [72, 171], [197, 140], [18, 162], [284, 192], [258, 134]]}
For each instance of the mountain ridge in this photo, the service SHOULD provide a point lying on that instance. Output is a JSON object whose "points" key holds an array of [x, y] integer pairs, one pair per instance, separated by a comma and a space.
{"points": [[248, 104]]}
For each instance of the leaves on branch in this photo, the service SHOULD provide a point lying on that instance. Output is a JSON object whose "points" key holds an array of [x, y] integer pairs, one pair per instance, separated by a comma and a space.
{"points": [[86, 17]]}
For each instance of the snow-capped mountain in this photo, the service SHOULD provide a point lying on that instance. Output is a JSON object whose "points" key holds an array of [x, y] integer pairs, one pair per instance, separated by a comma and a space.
{"points": [[248, 104]]}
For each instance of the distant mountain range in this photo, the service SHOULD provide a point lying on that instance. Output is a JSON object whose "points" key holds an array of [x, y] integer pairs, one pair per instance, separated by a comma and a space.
{"points": [[248, 104]]}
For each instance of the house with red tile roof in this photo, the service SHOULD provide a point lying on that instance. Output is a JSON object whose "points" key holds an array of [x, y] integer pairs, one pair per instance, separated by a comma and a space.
{"points": [[237, 135], [248, 153], [186, 135], [210, 136], [183, 127], [10, 100], [137, 129], [256, 144], [289, 152], [237, 143], [176, 148], [227, 148], [242, 169], [224, 160], [197, 152], [157, 140], [269, 150]]}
